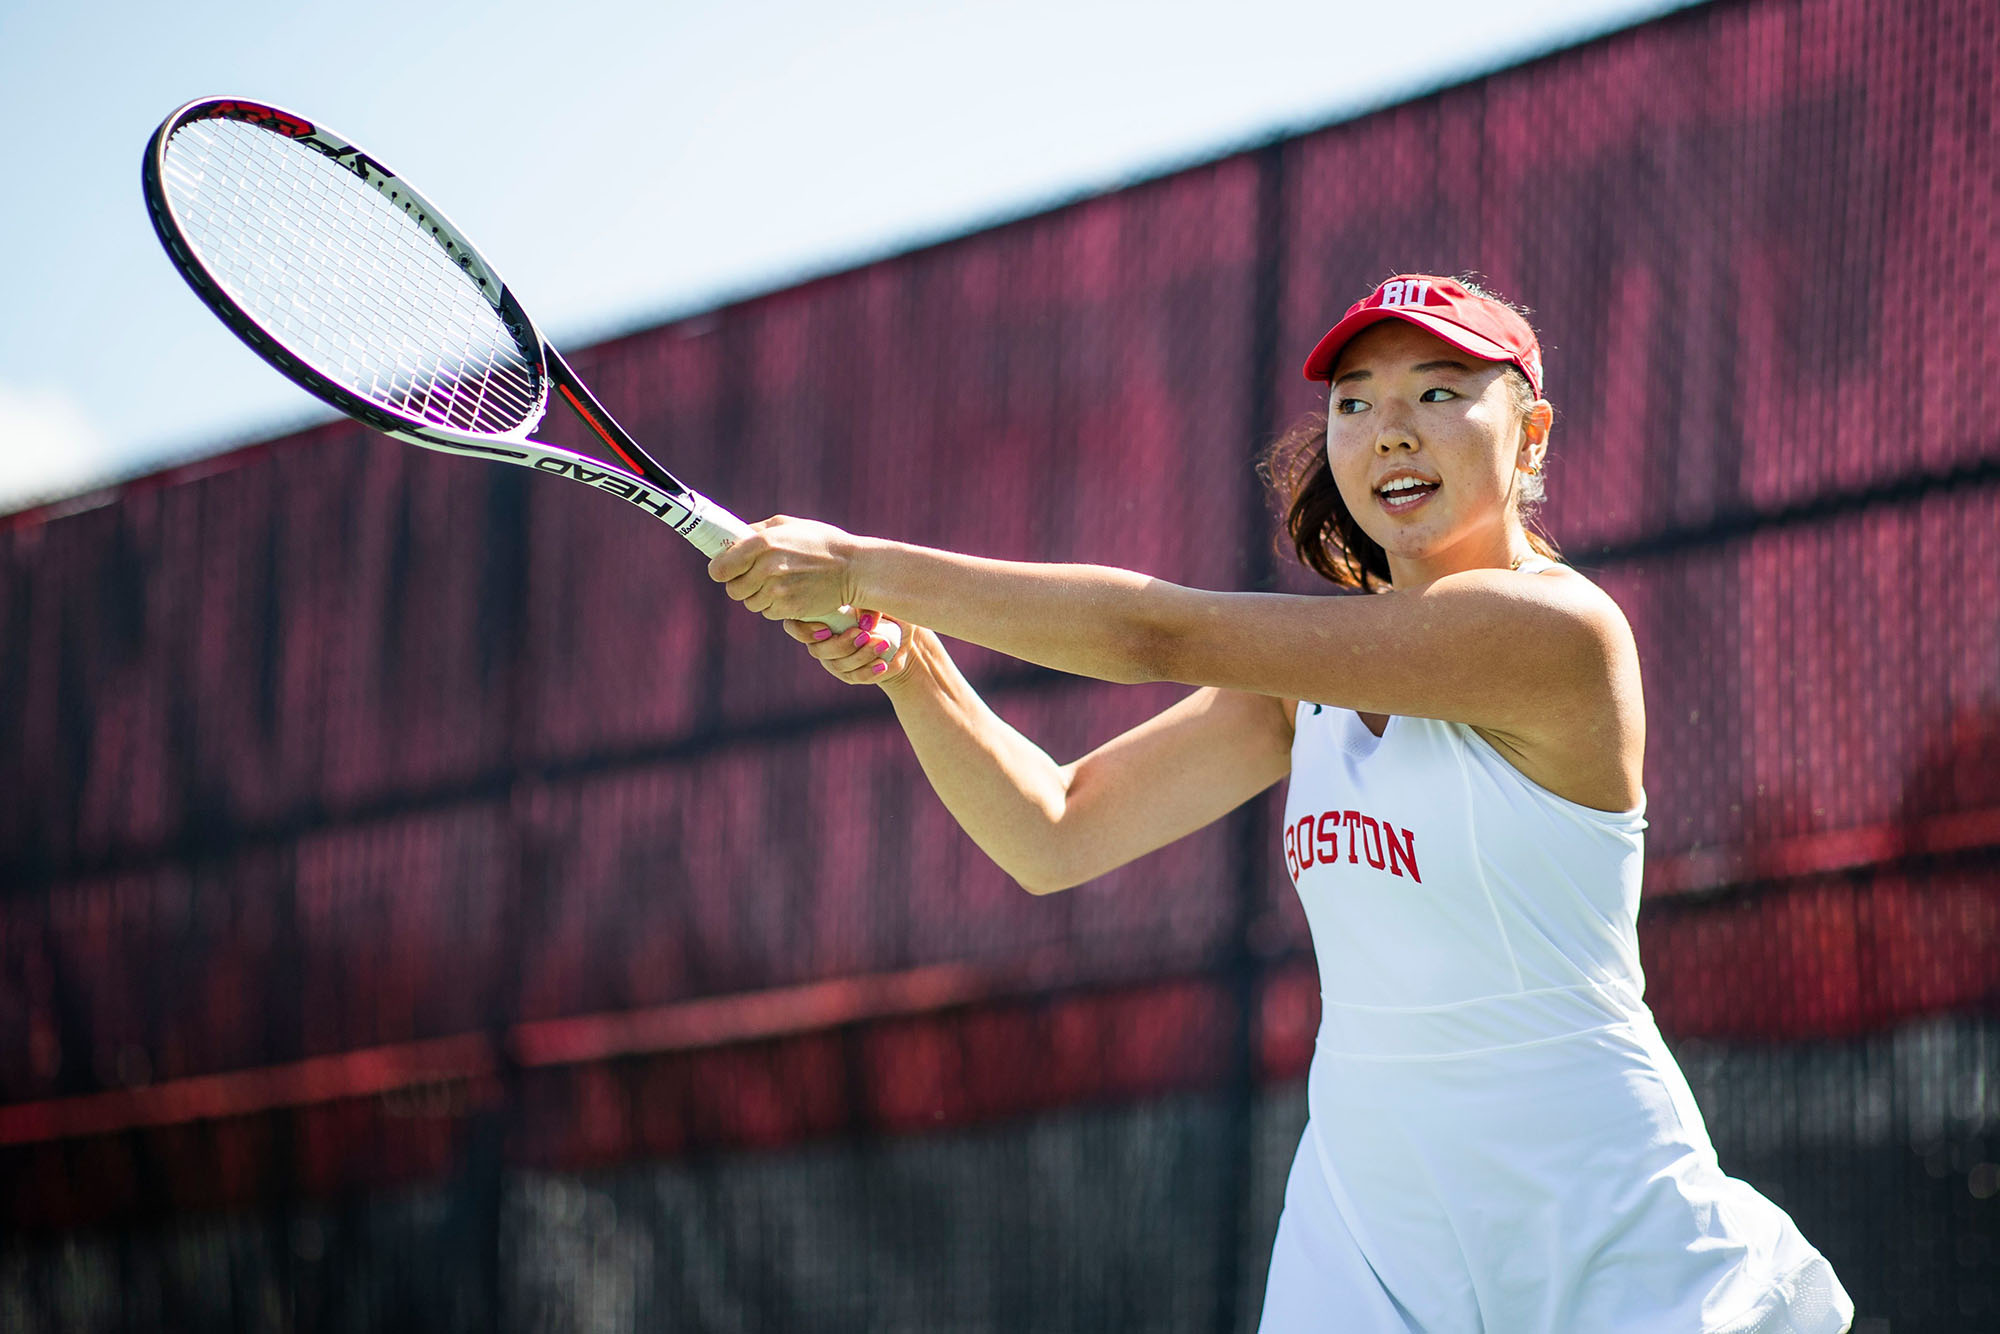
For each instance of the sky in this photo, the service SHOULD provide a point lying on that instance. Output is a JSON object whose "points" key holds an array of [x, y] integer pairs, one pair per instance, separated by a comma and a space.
{"points": [[625, 163]]}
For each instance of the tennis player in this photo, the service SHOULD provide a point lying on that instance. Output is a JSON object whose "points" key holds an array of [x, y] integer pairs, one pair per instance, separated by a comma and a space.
{"points": [[1498, 1138]]}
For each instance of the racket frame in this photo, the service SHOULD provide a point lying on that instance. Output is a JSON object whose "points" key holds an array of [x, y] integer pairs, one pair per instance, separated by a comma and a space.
{"points": [[647, 485]]}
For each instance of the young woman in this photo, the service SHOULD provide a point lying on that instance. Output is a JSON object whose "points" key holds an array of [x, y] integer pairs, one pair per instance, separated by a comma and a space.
{"points": [[1498, 1139]]}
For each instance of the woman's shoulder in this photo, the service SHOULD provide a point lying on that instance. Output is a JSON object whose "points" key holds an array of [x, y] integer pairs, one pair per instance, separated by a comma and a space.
{"points": [[1584, 595], [1590, 751], [1539, 595]]}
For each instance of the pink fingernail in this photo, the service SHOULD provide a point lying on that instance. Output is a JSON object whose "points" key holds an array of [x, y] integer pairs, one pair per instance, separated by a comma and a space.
{"points": [[881, 667], [868, 619], [822, 634], [861, 639], [881, 646]]}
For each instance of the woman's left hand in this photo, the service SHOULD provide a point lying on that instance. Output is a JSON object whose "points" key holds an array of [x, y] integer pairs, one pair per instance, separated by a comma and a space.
{"points": [[790, 570]]}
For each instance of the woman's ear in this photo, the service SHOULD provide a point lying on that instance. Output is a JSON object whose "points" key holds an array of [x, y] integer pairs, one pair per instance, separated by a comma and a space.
{"points": [[1535, 426]]}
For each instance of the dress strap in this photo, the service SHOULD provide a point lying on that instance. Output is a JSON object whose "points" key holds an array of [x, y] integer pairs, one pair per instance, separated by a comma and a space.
{"points": [[1536, 563]]}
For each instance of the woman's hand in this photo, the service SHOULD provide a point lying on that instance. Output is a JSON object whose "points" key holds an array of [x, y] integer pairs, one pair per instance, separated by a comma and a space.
{"points": [[790, 570], [862, 656]]}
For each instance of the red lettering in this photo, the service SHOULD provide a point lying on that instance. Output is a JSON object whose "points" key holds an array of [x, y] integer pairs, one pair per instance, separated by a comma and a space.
{"points": [[1315, 841], [1371, 846], [1406, 854]]}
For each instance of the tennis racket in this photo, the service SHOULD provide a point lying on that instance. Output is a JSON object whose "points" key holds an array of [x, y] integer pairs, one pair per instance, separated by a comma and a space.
{"points": [[330, 267]]}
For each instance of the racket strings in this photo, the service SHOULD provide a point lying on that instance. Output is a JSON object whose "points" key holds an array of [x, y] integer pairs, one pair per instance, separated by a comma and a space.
{"points": [[347, 281]]}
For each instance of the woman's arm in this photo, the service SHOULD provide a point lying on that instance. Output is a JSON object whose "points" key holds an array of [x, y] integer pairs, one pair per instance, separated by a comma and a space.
{"points": [[1050, 825], [1511, 652]]}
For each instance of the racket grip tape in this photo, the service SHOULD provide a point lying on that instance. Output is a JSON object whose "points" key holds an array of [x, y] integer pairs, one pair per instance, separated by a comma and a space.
{"points": [[714, 530]]}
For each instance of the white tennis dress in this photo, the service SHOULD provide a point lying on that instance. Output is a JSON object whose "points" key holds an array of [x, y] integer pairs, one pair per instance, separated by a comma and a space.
{"points": [[1498, 1140]]}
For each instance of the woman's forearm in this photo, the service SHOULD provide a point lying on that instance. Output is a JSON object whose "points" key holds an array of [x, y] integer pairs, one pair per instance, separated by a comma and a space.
{"points": [[1003, 789], [1089, 620]]}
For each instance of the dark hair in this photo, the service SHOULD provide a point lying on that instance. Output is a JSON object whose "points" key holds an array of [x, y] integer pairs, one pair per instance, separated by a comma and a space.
{"points": [[1324, 535]]}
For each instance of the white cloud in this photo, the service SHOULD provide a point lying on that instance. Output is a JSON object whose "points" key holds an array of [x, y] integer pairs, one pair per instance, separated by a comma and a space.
{"points": [[49, 448]]}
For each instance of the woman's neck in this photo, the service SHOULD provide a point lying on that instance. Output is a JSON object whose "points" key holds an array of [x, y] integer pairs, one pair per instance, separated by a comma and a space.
{"points": [[1505, 550]]}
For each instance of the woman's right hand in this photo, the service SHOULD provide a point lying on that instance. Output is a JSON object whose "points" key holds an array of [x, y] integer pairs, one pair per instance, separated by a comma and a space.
{"points": [[861, 656]]}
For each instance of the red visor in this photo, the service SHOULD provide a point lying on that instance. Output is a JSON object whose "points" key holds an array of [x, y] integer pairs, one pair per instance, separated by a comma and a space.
{"points": [[1474, 324]]}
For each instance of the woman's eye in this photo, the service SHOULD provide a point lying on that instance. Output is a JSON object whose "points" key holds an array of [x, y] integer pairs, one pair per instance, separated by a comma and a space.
{"points": [[1437, 389], [1347, 407]]}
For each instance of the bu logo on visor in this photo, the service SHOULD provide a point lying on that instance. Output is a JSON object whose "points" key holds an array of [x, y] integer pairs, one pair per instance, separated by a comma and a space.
{"points": [[1405, 293]]}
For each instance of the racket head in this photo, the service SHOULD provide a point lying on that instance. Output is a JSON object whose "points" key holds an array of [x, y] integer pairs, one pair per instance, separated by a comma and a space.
{"points": [[337, 273]]}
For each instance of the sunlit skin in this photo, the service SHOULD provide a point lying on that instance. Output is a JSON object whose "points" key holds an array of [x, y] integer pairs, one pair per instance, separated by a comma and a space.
{"points": [[1403, 400], [1538, 662], [1542, 665]]}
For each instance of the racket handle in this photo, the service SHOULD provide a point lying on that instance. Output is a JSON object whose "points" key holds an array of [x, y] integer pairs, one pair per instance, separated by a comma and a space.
{"points": [[716, 530]]}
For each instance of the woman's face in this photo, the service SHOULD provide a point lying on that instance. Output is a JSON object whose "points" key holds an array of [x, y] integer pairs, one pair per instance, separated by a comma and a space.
{"points": [[1427, 445]]}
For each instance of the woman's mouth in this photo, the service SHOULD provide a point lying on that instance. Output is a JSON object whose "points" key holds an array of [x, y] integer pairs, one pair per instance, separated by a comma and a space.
{"points": [[1402, 494]]}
